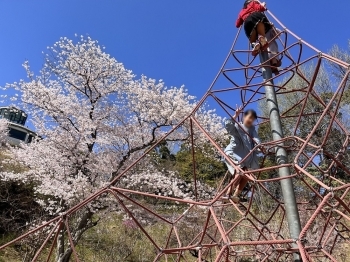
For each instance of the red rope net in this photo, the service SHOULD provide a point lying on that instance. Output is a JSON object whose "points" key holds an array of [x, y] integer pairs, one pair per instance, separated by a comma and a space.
{"points": [[316, 139]]}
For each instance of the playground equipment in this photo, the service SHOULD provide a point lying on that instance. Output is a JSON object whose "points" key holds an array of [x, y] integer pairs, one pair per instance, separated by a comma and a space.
{"points": [[308, 226]]}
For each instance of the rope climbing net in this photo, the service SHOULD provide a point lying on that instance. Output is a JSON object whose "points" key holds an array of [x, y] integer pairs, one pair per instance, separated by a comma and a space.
{"points": [[311, 103]]}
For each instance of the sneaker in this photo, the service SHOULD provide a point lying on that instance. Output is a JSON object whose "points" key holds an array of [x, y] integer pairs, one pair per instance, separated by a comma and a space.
{"points": [[276, 62], [263, 41], [225, 199], [255, 48], [235, 199], [275, 71]]}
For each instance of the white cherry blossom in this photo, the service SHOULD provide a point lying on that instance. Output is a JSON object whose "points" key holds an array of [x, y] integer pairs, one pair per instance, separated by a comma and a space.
{"points": [[93, 118]]}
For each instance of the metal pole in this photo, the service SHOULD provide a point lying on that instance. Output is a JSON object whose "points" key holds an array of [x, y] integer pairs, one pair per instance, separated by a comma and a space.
{"points": [[281, 156]]}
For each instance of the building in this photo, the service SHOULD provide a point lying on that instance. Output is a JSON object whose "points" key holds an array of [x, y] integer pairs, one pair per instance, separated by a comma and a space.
{"points": [[18, 132]]}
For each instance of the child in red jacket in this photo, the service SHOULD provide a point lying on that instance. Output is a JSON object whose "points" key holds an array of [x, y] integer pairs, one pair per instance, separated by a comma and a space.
{"points": [[255, 23], [256, 26]]}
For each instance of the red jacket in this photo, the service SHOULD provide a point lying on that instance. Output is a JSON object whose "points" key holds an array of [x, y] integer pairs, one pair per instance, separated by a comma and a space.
{"points": [[253, 6]]}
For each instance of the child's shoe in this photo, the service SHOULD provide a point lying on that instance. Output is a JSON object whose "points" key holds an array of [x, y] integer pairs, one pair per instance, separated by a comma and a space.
{"points": [[263, 41], [275, 63], [255, 48], [235, 199], [225, 199], [275, 71]]}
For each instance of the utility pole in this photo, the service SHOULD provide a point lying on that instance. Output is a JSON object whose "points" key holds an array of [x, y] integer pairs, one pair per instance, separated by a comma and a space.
{"points": [[281, 155]]}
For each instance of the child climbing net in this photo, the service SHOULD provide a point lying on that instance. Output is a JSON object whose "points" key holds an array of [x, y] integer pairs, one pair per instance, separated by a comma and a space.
{"points": [[243, 140], [259, 31]]}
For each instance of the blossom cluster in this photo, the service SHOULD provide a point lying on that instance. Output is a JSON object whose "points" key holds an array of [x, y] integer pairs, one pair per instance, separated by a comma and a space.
{"points": [[166, 184], [3, 130]]}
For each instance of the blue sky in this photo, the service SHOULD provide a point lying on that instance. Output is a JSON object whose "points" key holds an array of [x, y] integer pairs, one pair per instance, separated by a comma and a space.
{"points": [[181, 42]]}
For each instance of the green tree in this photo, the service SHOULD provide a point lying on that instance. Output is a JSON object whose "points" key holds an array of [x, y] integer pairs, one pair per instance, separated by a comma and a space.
{"points": [[208, 164]]}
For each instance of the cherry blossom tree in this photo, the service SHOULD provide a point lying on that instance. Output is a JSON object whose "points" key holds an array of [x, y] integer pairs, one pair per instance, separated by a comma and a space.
{"points": [[93, 117]]}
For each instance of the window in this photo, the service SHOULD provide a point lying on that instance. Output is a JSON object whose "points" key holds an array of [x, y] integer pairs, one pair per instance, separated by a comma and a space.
{"points": [[14, 133], [14, 115], [17, 117]]}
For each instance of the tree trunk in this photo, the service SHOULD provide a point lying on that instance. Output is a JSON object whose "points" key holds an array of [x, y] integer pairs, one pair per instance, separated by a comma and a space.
{"points": [[66, 256], [60, 245], [83, 224]]}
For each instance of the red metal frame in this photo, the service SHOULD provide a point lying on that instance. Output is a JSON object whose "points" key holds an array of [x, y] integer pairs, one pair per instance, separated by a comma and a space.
{"points": [[328, 205]]}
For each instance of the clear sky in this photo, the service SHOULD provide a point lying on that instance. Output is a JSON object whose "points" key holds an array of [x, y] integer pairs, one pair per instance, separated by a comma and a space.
{"points": [[179, 41]]}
